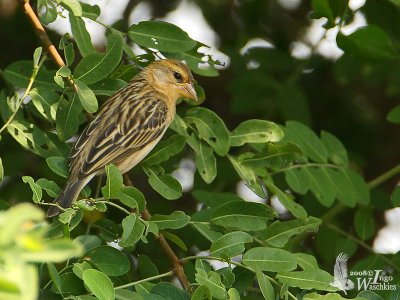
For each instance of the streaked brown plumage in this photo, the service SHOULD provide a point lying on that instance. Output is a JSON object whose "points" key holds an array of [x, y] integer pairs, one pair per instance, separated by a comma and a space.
{"points": [[127, 126]]}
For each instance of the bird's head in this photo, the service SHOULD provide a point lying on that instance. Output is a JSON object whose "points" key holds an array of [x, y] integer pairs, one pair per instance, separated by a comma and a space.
{"points": [[172, 78]]}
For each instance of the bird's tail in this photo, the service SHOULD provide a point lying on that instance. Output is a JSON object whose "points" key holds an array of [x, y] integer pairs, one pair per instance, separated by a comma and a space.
{"points": [[67, 196]]}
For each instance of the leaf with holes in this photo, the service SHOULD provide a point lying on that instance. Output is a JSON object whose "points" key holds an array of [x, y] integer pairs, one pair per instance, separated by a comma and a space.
{"points": [[255, 131], [160, 35], [210, 128]]}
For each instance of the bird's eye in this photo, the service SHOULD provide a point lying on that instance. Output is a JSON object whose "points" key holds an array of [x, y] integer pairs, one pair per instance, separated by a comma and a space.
{"points": [[177, 76]]}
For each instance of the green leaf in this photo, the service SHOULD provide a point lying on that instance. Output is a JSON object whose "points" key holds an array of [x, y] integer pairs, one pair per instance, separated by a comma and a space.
{"points": [[19, 73], [309, 279], [51, 188], [176, 220], [67, 121], [306, 261], [45, 101], [255, 131], [69, 54], [328, 296], [90, 11], [337, 152], [86, 96], [270, 259], [202, 293], [230, 244], [81, 36], [206, 162], [394, 115], [74, 6], [114, 182], [246, 216], [210, 127], [36, 57], [329, 9], [266, 287], [36, 189], [179, 126], [109, 260], [279, 232], [369, 295], [132, 198], [160, 35], [249, 176], [175, 239], [33, 139], [327, 183], [212, 280], [97, 66], [369, 42], [294, 208], [298, 182], [364, 223], [132, 231], [99, 284], [47, 12], [168, 290], [88, 242], [321, 184], [308, 141], [275, 156], [79, 268], [122, 294], [164, 184], [164, 150], [58, 165], [206, 230], [55, 277], [233, 294]]}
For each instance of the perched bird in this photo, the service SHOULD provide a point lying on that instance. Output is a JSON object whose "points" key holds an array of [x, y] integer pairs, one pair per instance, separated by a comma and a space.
{"points": [[127, 126]]}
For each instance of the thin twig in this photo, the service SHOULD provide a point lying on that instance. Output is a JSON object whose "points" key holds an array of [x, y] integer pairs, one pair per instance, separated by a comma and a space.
{"points": [[41, 33], [28, 89], [384, 177], [167, 274], [175, 261], [115, 205], [46, 42]]}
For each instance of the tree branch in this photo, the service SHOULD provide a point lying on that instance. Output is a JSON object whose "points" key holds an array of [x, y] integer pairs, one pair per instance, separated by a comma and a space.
{"points": [[175, 261], [41, 33]]}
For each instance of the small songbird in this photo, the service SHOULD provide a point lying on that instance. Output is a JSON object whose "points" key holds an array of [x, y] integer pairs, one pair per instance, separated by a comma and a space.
{"points": [[127, 126]]}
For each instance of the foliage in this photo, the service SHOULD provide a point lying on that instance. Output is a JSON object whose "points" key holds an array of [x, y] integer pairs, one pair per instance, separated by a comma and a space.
{"points": [[110, 249]]}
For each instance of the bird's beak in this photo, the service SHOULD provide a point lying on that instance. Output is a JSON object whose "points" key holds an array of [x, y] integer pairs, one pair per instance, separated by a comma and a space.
{"points": [[187, 90]]}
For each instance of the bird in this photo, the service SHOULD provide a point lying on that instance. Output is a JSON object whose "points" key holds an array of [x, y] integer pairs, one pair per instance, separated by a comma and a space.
{"points": [[341, 280], [127, 126]]}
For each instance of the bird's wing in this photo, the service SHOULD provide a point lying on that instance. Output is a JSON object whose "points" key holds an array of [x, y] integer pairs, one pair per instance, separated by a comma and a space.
{"points": [[118, 131], [340, 269]]}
